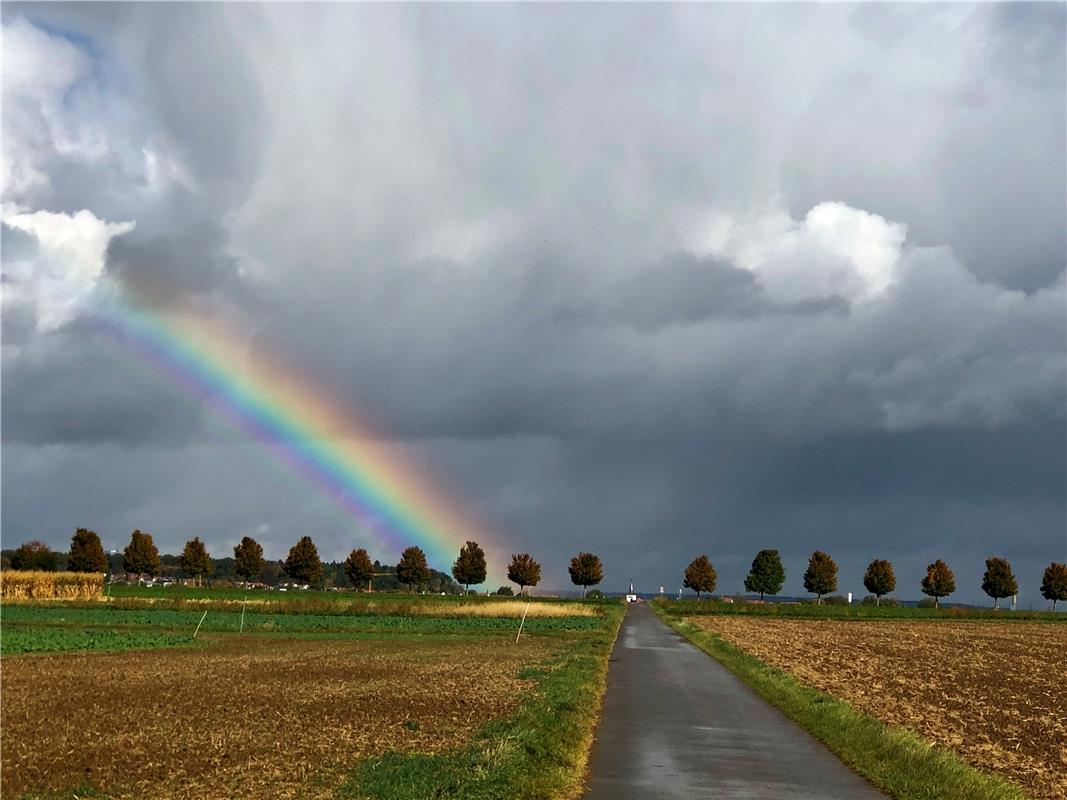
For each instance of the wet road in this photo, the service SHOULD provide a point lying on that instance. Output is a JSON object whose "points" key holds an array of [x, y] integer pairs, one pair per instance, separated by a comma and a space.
{"points": [[677, 724]]}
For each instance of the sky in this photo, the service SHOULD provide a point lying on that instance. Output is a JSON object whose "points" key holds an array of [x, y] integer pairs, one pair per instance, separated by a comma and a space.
{"points": [[651, 281]]}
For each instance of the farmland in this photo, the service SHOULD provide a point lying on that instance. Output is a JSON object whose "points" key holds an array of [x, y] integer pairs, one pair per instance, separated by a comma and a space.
{"points": [[312, 698], [992, 692]]}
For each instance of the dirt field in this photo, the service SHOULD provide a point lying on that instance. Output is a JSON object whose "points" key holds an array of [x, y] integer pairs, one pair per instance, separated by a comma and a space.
{"points": [[993, 692], [246, 717]]}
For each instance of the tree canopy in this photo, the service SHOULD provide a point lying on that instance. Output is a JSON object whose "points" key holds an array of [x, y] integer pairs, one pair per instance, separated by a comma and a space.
{"points": [[35, 555], [86, 552], [1054, 583], [470, 566], [767, 574], [248, 558], [195, 562], [939, 581], [303, 564], [998, 580], [586, 570], [879, 579], [700, 576], [524, 571], [358, 568], [412, 568], [141, 556], [821, 575]]}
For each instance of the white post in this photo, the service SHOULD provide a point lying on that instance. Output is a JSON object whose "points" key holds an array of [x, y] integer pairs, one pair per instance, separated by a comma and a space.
{"points": [[524, 611], [201, 622], [243, 602]]}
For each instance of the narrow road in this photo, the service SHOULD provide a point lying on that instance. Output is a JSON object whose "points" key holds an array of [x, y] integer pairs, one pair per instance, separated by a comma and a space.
{"points": [[677, 724]]}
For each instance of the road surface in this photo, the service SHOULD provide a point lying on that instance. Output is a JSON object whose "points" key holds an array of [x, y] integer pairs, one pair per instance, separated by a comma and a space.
{"points": [[677, 724]]}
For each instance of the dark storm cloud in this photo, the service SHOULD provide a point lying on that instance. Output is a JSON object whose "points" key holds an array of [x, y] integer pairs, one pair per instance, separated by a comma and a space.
{"points": [[563, 257], [80, 385]]}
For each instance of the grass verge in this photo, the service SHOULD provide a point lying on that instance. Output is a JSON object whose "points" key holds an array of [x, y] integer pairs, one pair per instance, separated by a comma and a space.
{"points": [[895, 760], [540, 751]]}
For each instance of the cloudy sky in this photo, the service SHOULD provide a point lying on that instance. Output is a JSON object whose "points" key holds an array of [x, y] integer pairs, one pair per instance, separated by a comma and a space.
{"points": [[651, 281]]}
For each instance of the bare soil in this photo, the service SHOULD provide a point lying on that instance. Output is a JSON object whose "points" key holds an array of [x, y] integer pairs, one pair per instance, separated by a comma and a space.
{"points": [[994, 692], [248, 717]]}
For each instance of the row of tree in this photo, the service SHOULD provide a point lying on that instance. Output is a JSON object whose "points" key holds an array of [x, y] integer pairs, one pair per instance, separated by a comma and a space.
{"points": [[767, 576], [302, 565]]}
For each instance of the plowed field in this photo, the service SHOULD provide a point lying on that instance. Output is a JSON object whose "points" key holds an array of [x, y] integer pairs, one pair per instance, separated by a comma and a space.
{"points": [[251, 717], [995, 693]]}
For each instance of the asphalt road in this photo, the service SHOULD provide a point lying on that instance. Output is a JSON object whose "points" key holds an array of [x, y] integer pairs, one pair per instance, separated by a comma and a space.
{"points": [[677, 724]]}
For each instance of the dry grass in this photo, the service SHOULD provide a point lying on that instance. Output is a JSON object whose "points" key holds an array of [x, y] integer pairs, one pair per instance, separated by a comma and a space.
{"points": [[403, 608], [992, 692], [247, 717], [15, 585]]}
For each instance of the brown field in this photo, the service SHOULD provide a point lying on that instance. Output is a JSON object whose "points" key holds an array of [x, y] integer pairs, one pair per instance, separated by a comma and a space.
{"points": [[246, 717], [994, 692]]}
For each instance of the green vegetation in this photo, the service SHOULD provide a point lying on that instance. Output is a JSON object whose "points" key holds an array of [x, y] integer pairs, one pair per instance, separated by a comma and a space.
{"points": [[895, 760], [856, 611], [538, 752], [20, 639], [767, 574], [21, 618]]}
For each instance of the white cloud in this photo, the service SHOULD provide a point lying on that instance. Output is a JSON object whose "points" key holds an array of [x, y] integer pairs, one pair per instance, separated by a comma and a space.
{"points": [[69, 261], [834, 250]]}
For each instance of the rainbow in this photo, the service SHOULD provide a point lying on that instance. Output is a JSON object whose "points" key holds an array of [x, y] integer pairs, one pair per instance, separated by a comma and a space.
{"points": [[337, 454]]}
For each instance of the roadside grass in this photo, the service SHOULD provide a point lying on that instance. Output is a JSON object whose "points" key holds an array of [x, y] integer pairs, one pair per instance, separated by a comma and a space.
{"points": [[893, 759], [855, 611], [540, 751]]}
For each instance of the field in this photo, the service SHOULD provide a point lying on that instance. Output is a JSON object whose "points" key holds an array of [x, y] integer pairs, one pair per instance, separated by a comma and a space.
{"points": [[316, 698], [993, 692]]}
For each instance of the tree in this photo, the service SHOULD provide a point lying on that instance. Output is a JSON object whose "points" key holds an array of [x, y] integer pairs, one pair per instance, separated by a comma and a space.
{"points": [[700, 576], [767, 574], [505, 591], [524, 571], [998, 581], [586, 570], [195, 562], [141, 556], [879, 579], [248, 558], [359, 568], [939, 581], [821, 575], [1054, 583], [303, 564], [34, 555], [86, 552], [412, 568], [470, 566]]}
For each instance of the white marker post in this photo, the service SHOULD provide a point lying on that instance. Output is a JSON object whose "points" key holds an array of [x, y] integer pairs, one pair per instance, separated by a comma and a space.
{"points": [[201, 622], [243, 602], [524, 612]]}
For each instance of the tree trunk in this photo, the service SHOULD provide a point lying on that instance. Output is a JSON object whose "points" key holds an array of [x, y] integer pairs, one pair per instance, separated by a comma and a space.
{"points": [[936, 598], [761, 597], [996, 603], [877, 600]]}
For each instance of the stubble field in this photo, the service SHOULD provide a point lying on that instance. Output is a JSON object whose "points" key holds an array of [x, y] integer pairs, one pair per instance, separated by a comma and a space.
{"points": [[993, 692]]}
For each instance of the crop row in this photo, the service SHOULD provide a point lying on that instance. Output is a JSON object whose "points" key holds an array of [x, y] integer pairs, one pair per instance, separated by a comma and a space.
{"points": [[256, 621], [45, 639]]}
